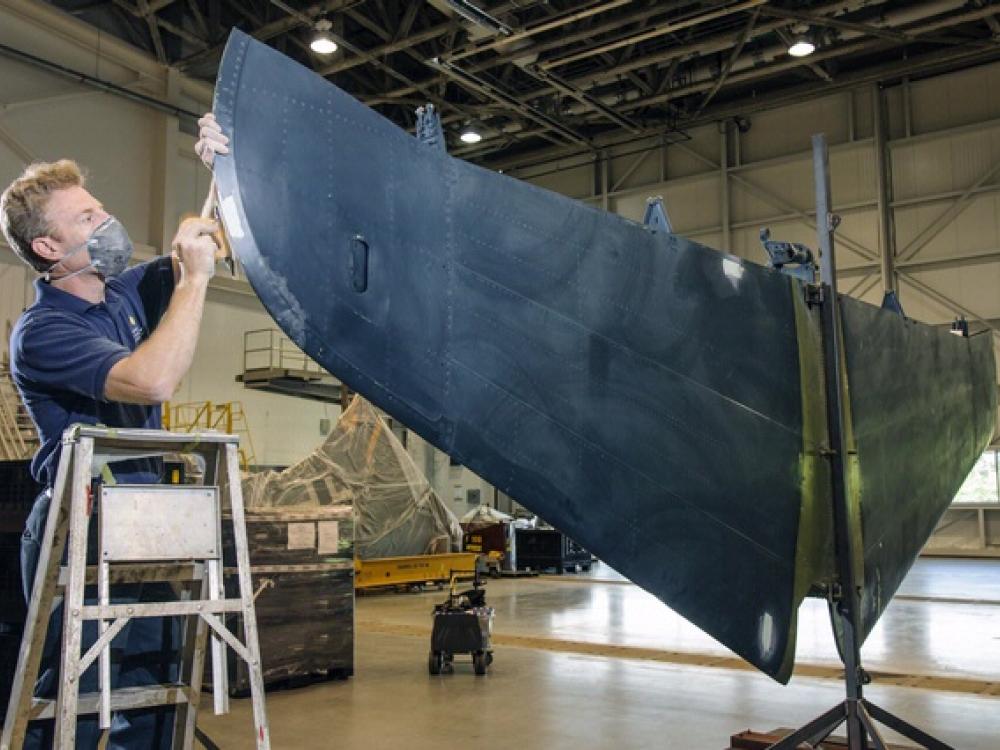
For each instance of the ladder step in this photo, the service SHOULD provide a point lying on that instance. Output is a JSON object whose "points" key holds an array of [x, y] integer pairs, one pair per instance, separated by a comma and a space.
{"points": [[142, 573], [122, 699], [161, 609]]}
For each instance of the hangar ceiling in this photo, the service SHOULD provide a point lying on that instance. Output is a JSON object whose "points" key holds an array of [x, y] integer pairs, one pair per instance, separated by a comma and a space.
{"points": [[530, 74]]}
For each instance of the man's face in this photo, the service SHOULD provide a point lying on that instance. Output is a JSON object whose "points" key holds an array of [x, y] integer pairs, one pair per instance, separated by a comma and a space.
{"points": [[73, 214]]}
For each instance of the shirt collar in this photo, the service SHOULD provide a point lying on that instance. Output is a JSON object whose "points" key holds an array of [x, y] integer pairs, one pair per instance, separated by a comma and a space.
{"points": [[47, 294]]}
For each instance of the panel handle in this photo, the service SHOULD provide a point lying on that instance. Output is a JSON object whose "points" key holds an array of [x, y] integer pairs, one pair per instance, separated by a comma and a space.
{"points": [[358, 263]]}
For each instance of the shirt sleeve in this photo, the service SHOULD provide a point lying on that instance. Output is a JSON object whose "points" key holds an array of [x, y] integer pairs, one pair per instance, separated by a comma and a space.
{"points": [[57, 352]]}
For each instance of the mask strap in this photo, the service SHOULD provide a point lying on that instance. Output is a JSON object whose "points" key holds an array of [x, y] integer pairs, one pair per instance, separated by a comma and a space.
{"points": [[48, 274]]}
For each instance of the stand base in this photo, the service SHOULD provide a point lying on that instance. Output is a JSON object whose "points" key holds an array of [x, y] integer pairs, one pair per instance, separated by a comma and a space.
{"points": [[860, 716], [751, 740]]}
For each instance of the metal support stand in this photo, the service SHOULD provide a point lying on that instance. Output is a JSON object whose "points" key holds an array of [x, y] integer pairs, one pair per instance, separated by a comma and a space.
{"points": [[859, 714], [146, 533]]}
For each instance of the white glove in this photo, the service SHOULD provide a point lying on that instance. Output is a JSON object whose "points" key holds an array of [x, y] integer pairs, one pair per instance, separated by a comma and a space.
{"points": [[211, 141]]}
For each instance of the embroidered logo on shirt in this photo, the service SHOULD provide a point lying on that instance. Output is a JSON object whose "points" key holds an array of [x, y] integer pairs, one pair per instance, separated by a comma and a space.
{"points": [[135, 329]]}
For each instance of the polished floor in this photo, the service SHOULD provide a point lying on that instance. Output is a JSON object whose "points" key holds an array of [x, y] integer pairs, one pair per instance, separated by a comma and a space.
{"points": [[591, 661]]}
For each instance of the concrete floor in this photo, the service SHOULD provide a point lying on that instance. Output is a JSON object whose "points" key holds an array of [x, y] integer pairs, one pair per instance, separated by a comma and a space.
{"points": [[594, 662]]}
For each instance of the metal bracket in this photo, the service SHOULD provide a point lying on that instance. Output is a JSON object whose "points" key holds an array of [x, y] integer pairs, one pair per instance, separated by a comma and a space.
{"points": [[834, 591], [890, 301], [791, 258], [656, 219], [429, 127], [960, 327]]}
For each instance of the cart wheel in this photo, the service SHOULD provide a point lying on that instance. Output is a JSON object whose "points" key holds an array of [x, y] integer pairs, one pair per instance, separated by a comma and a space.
{"points": [[434, 662], [489, 658], [479, 662]]}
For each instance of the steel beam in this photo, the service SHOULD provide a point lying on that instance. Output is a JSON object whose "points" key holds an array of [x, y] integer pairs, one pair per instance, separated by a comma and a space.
{"points": [[883, 192], [558, 21], [948, 302], [953, 212], [19, 149], [471, 81], [154, 29], [724, 207], [669, 27], [741, 40]]}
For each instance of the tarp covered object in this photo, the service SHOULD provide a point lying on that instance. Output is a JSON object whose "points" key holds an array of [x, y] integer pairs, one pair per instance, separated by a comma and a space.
{"points": [[362, 463]]}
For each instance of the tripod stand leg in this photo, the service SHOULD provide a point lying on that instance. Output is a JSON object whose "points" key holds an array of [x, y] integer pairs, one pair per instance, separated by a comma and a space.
{"points": [[815, 731], [857, 739], [907, 730], [870, 728]]}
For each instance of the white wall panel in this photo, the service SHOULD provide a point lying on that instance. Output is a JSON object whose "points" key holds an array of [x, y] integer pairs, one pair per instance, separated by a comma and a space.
{"points": [[635, 164], [112, 139], [704, 142], [789, 129], [576, 181], [955, 99], [692, 206]]}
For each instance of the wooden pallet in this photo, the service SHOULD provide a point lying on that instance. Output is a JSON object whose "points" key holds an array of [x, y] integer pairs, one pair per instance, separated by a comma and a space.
{"points": [[750, 740]]}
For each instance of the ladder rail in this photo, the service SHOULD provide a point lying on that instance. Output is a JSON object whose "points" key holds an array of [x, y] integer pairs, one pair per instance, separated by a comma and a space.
{"points": [[42, 593], [72, 634]]}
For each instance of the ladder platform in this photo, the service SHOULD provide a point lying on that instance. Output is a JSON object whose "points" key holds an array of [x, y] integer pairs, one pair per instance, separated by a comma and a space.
{"points": [[122, 699]]}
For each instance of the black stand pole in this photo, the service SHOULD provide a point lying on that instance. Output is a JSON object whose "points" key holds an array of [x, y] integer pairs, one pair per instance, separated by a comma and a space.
{"points": [[859, 714]]}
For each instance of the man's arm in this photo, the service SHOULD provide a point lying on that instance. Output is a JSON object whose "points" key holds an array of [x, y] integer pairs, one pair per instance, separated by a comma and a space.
{"points": [[152, 373]]}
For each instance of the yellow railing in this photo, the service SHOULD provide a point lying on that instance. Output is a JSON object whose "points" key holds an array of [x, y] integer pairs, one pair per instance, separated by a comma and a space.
{"points": [[228, 417], [18, 439]]}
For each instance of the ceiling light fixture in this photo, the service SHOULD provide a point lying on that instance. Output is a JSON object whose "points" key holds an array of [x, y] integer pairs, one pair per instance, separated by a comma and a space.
{"points": [[470, 135], [801, 44], [801, 48], [322, 43]]}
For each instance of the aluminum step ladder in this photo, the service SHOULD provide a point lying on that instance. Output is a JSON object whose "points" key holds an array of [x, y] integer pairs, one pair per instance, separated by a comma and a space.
{"points": [[146, 533]]}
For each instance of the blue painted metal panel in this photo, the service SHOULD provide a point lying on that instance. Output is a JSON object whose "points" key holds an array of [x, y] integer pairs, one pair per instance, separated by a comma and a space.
{"points": [[639, 391]]}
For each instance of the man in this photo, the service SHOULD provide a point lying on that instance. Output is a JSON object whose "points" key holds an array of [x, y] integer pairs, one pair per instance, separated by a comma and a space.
{"points": [[102, 345]]}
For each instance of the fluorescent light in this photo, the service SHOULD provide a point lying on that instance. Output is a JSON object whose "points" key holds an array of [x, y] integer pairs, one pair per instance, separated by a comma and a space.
{"points": [[801, 47], [322, 43], [470, 136]]}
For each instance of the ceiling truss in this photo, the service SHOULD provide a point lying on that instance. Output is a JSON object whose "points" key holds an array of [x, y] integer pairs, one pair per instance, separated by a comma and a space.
{"points": [[538, 74]]}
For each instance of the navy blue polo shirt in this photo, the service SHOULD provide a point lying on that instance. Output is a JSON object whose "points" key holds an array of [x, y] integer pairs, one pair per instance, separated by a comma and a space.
{"points": [[62, 349]]}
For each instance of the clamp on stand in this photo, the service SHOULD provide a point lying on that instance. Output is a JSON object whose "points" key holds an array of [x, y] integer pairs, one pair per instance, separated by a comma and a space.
{"points": [[791, 258]]}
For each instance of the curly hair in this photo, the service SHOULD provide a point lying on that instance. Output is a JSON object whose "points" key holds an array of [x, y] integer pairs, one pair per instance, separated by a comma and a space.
{"points": [[23, 204]]}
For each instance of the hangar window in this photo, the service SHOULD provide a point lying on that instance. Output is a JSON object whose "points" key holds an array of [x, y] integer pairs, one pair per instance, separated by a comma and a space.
{"points": [[983, 483]]}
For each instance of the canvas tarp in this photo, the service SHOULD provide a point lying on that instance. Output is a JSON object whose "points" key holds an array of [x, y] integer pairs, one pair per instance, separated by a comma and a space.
{"points": [[362, 463]]}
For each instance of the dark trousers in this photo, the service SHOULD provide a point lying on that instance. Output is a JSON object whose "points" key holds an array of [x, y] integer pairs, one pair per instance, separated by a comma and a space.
{"points": [[144, 653]]}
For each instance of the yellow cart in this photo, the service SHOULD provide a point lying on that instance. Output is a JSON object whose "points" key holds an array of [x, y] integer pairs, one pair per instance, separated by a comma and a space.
{"points": [[417, 570]]}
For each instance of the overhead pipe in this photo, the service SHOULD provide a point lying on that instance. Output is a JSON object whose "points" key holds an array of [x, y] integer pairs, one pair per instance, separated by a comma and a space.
{"points": [[97, 83], [774, 59]]}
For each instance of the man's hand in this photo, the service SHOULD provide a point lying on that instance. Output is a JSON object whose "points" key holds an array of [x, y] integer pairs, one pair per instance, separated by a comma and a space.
{"points": [[211, 141], [195, 247]]}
